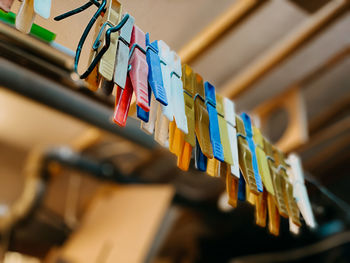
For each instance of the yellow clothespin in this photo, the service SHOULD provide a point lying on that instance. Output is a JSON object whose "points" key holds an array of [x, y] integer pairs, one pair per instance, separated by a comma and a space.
{"points": [[274, 216], [105, 67], [253, 196], [25, 16], [264, 171], [262, 161], [292, 207], [184, 143], [201, 126], [213, 166], [111, 18], [245, 158], [261, 208], [276, 204], [232, 189], [276, 179]]}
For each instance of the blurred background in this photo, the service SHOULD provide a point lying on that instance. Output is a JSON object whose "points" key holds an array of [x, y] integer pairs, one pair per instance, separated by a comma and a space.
{"points": [[286, 62]]}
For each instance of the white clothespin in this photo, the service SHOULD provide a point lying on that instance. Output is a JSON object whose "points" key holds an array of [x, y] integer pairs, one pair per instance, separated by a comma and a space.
{"points": [[296, 176], [230, 117], [42, 8], [177, 94]]}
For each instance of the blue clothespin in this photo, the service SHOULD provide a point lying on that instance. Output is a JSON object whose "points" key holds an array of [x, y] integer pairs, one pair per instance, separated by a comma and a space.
{"points": [[249, 137], [210, 101], [200, 159], [141, 114], [241, 187], [155, 78]]}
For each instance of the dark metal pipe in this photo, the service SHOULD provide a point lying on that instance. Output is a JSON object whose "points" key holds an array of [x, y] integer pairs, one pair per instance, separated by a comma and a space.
{"points": [[45, 91]]}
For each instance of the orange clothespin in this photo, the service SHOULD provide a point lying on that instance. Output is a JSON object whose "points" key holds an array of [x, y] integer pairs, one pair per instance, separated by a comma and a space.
{"points": [[184, 143]]}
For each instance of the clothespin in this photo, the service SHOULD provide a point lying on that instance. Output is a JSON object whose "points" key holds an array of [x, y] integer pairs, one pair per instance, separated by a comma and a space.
{"points": [[264, 171], [175, 110], [213, 166], [184, 143], [263, 165], [5, 5], [232, 188], [178, 121], [257, 199], [214, 131], [276, 179], [261, 208], [42, 8], [122, 55], [137, 79], [155, 82], [232, 181], [203, 148], [177, 95], [230, 117], [274, 216], [155, 79], [249, 137], [25, 16], [110, 19], [296, 175], [291, 204], [164, 113], [245, 157], [276, 205], [254, 192]]}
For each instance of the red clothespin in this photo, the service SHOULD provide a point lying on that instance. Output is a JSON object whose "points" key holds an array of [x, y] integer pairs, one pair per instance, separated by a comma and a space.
{"points": [[136, 81]]}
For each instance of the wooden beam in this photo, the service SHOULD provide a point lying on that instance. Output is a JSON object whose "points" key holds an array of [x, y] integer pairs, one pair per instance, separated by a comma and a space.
{"points": [[325, 118], [210, 34], [331, 62], [313, 153], [286, 47]]}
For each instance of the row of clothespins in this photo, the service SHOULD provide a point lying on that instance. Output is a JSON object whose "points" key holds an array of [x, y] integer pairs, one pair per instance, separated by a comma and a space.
{"points": [[186, 115]]}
